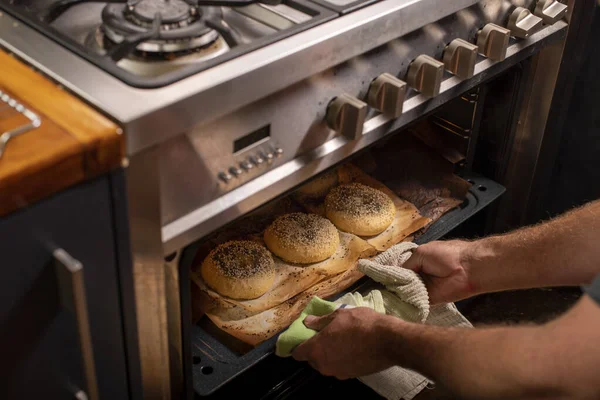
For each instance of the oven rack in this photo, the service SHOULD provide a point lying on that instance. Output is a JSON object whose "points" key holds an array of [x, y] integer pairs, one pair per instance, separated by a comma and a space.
{"points": [[216, 358]]}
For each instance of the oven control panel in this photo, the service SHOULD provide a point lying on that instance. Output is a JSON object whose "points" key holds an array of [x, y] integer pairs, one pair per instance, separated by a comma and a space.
{"points": [[251, 154], [260, 159], [333, 107]]}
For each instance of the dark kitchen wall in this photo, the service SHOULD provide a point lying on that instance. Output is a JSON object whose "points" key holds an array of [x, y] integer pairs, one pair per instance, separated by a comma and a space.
{"points": [[576, 173]]}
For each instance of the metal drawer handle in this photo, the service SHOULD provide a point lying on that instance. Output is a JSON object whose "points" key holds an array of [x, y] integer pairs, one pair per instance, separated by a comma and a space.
{"points": [[69, 273], [34, 120]]}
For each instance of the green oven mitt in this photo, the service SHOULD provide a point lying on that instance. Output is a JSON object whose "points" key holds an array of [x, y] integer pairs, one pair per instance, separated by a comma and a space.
{"points": [[298, 332]]}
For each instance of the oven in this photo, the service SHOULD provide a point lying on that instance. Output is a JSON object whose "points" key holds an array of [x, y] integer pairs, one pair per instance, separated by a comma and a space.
{"points": [[472, 124], [459, 98]]}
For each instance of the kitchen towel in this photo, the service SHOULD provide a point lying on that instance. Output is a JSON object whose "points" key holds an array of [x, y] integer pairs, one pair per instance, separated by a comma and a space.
{"points": [[405, 296], [298, 332], [398, 383]]}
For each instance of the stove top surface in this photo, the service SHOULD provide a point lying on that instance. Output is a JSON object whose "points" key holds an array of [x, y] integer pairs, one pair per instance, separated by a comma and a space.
{"points": [[152, 43]]}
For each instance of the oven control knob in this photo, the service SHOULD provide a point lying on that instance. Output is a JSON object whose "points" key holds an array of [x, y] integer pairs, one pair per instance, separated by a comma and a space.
{"points": [[278, 151], [460, 57], [269, 156], [492, 41], [550, 11], [258, 160], [425, 75], [522, 23], [235, 171], [386, 94], [224, 176], [346, 115], [246, 165]]}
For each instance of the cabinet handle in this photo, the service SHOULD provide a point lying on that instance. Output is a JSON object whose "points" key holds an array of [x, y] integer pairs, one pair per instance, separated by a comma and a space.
{"points": [[69, 273], [34, 120]]}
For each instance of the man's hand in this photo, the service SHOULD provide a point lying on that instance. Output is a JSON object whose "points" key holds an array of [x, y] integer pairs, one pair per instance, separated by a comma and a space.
{"points": [[561, 252], [444, 270], [350, 343]]}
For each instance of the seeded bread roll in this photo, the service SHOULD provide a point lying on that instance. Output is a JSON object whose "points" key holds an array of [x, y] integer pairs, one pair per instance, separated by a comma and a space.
{"points": [[302, 238], [359, 209], [239, 269], [318, 187]]}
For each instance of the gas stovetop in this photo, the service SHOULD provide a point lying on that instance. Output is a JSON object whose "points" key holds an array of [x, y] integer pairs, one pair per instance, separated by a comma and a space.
{"points": [[152, 43], [164, 68]]}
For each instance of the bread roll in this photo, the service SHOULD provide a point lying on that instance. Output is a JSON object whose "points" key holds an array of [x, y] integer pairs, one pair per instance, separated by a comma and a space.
{"points": [[239, 269], [318, 187], [302, 238], [359, 209]]}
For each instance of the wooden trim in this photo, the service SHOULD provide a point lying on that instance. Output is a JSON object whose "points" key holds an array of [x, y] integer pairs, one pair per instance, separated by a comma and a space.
{"points": [[74, 142]]}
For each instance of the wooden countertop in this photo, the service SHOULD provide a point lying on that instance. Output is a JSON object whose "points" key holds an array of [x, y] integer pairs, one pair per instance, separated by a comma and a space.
{"points": [[73, 143]]}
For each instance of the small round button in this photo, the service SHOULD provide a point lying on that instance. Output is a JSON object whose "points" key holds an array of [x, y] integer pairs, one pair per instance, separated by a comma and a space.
{"points": [[269, 157], [278, 151], [259, 160], [235, 171], [224, 176], [246, 165]]}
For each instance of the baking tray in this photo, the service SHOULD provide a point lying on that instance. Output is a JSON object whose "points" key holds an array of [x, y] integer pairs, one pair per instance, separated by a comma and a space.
{"points": [[216, 358]]}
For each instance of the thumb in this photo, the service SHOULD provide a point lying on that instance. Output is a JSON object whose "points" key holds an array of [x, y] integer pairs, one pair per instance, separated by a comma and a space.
{"points": [[415, 262], [318, 323]]}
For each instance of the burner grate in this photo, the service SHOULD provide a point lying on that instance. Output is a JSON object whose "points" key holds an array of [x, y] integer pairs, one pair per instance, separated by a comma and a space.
{"points": [[149, 60]]}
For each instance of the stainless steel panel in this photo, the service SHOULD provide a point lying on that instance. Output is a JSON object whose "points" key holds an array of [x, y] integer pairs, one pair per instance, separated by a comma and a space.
{"points": [[296, 116], [193, 222], [152, 116], [157, 347], [190, 164], [266, 16]]}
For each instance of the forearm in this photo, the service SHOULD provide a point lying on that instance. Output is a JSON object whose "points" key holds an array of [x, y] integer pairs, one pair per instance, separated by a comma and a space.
{"points": [[563, 251], [474, 364], [557, 360]]}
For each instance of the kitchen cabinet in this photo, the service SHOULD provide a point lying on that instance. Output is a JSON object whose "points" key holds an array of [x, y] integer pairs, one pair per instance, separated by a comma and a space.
{"points": [[67, 325], [40, 338]]}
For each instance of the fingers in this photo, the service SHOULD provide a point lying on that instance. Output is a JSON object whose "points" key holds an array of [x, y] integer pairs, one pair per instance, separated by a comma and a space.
{"points": [[318, 323], [302, 352], [415, 262]]}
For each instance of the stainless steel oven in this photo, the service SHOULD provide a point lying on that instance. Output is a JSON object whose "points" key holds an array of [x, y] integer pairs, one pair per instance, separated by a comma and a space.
{"points": [[228, 106]]}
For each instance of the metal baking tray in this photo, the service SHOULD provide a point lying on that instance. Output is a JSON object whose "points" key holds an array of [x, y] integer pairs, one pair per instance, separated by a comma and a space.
{"points": [[216, 358]]}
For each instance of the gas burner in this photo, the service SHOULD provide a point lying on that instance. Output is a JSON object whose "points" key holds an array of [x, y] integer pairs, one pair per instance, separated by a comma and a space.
{"points": [[173, 13], [180, 27], [151, 37], [161, 40]]}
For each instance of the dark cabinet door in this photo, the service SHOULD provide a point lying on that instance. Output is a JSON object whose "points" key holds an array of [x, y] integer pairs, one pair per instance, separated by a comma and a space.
{"points": [[42, 332]]}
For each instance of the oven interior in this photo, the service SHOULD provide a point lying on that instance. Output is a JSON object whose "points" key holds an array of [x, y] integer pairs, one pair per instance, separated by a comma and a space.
{"points": [[473, 136]]}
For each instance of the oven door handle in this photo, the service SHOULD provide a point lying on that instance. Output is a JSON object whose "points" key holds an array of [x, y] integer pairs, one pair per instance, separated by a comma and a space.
{"points": [[69, 273]]}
